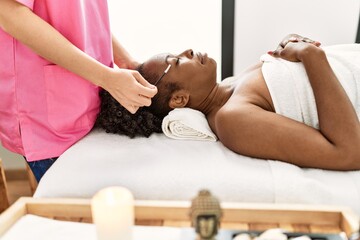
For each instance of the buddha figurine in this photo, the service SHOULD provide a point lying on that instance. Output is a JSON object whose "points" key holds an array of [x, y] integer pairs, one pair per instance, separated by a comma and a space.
{"points": [[205, 215]]}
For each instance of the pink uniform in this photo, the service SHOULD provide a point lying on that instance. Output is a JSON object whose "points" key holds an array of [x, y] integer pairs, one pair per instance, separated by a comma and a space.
{"points": [[44, 109]]}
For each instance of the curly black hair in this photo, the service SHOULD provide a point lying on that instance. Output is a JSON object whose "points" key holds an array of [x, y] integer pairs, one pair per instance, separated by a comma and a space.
{"points": [[114, 118]]}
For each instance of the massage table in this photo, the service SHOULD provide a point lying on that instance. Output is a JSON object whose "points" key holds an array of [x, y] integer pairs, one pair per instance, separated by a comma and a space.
{"points": [[160, 168]]}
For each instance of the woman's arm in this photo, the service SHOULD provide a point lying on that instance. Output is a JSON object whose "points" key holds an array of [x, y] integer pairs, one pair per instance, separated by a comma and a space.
{"points": [[125, 85], [248, 129], [337, 117]]}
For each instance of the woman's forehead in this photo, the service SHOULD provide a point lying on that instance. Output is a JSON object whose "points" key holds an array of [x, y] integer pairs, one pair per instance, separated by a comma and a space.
{"points": [[157, 62], [161, 58]]}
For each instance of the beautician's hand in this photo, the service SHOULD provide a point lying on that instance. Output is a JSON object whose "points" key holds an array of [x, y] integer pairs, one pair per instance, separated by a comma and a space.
{"points": [[122, 57], [129, 88], [129, 64]]}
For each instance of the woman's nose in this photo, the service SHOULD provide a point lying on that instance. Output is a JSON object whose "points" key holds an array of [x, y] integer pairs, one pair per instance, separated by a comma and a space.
{"points": [[188, 53]]}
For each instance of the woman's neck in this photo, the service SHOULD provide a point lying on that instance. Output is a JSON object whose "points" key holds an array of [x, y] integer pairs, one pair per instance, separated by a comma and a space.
{"points": [[217, 97]]}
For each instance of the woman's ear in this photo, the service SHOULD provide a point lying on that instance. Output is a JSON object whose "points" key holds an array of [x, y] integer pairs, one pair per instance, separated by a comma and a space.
{"points": [[179, 99]]}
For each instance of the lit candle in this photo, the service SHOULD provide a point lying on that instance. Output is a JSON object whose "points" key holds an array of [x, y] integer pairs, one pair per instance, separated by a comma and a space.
{"points": [[113, 213]]}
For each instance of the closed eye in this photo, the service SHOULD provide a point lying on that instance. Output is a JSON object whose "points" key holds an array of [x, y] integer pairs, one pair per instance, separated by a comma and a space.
{"points": [[177, 61]]}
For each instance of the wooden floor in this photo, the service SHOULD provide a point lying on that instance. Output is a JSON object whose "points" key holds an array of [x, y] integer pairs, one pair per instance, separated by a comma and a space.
{"points": [[17, 184]]}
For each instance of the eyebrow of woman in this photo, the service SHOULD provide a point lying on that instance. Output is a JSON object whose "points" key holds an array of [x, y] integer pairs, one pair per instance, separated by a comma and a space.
{"points": [[167, 57]]}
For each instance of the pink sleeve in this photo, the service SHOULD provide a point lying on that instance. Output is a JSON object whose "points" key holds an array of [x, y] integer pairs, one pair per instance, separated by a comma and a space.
{"points": [[28, 3]]}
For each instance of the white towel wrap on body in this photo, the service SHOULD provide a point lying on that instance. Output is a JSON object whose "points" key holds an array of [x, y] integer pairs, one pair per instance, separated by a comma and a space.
{"points": [[290, 88]]}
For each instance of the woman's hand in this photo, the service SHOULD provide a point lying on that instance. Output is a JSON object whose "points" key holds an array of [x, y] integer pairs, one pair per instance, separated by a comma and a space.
{"points": [[296, 38], [129, 88], [293, 52]]}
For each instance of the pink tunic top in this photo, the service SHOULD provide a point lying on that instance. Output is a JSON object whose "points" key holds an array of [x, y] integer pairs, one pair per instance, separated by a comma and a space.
{"points": [[44, 109]]}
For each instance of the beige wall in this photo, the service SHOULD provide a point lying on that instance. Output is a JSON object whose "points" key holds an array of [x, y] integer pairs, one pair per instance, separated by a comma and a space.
{"points": [[11, 160]]}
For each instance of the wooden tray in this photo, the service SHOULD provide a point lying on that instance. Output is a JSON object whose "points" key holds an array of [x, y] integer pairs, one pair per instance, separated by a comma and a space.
{"points": [[236, 216], [4, 199]]}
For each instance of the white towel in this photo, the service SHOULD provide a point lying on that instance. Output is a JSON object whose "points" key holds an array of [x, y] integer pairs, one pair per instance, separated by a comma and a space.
{"points": [[293, 184], [187, 123], [290, 88]]}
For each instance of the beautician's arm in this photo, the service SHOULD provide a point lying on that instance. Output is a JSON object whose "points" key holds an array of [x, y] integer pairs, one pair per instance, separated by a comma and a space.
{"points": [[127, 86], [250, 130], [122, 58]]}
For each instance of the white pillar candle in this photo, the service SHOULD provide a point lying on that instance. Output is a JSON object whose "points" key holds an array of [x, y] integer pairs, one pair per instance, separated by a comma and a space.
{"points": [[113, 213]]}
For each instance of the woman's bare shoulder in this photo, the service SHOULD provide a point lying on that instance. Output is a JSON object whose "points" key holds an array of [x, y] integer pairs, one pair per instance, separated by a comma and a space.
{"points": [[252, 89], [236, 79]]}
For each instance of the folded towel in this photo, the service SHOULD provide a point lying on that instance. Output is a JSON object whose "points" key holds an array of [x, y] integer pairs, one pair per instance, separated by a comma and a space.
{"points": [[290, 88], [187, 123]]}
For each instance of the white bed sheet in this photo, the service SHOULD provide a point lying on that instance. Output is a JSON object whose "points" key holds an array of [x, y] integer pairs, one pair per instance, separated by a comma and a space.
{"points": [[159, 168]]}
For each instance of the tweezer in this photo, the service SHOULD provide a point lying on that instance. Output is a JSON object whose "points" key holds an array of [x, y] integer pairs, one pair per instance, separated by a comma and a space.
{"points": [[165, 72]]}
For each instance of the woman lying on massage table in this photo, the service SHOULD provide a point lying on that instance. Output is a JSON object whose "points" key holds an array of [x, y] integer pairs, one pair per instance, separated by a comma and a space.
{"points": [[297, 105]]}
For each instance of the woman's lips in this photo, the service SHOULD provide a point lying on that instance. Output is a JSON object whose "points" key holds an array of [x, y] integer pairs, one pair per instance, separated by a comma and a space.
{"points": [[202, 57]]}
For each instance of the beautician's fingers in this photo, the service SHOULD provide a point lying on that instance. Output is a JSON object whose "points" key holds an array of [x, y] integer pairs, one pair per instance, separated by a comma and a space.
{"points": [[146, 89], [140, 100], [143, 82], [133, 100], [125, 86], [131, 108]]}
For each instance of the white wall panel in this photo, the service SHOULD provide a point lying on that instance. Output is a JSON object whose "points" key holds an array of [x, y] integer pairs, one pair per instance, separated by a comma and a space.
{"points": [[260, 24], [148, 27]]}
